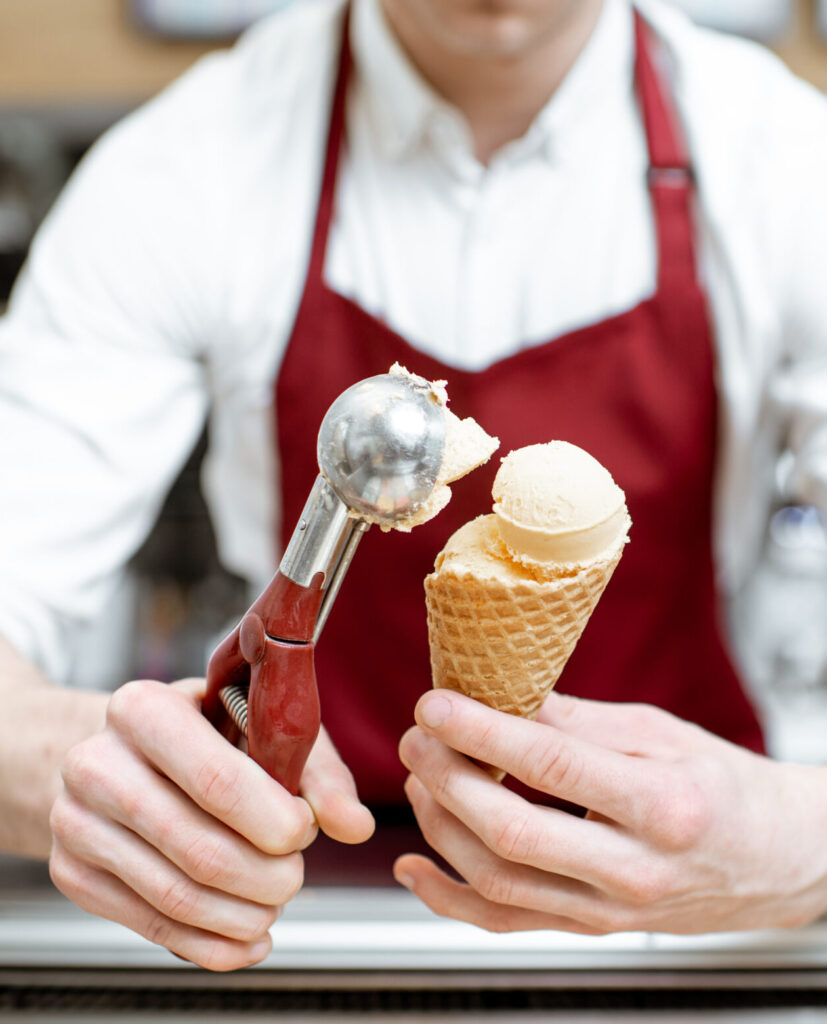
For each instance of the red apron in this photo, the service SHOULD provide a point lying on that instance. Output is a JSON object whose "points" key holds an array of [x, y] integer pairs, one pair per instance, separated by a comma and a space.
{"points": [[637, 391]]}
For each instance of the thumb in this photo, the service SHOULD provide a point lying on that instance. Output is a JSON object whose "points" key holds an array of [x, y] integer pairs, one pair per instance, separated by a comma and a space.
{"points": [[327, 785]]}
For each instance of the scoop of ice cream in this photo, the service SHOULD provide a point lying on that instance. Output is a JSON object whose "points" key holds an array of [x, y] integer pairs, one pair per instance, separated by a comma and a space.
{"points": [[555, 503], [467, 446], [476, 549]]}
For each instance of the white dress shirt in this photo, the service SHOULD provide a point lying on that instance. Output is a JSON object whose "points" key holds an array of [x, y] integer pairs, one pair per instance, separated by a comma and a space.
{"points": [[165, 283]]}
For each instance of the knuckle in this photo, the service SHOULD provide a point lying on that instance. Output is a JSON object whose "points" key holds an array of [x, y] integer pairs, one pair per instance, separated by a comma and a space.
{"points": [[610, 919], [553, 768], [205, 860], [179, 900], [494, 885], [89, 775], [130, 699], [159, 929], [497, 920], [486, 735], [645, 884], [133, 806], [681, 815], [79, 770], [646, 717], [567, 709], [61, 818], [440, 786], [690, 819], [218, 788], [515, 839]]}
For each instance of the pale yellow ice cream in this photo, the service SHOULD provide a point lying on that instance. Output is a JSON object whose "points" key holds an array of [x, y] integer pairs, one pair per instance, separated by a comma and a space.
{"points": [[467, 446], [557, 506], [476, 550]]}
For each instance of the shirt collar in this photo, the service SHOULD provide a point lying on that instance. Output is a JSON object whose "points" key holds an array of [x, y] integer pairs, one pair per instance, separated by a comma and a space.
{"points": [[406, 111], [401, 103]]}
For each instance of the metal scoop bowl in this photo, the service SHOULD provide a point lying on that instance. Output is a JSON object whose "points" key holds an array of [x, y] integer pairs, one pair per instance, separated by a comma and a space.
{"points": [[380, 446], [379, 452]]}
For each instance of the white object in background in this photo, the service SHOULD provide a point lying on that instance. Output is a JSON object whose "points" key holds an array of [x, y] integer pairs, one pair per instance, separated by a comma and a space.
{"points": [[202, 18], [760, 19], [782, 635]]}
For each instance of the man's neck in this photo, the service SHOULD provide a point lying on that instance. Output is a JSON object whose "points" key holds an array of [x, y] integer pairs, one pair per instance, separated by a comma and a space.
{"points": [[499, 94]]}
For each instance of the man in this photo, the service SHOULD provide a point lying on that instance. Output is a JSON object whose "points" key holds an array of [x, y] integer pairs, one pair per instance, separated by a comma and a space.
{"points": [[515, 210]]}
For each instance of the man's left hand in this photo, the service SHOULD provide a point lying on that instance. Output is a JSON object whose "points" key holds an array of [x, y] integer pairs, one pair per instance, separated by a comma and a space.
{"points": [[684, 833]]}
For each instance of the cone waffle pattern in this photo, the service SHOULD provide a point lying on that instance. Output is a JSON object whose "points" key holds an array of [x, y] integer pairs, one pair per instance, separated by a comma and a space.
{"points": [[506, 643]]}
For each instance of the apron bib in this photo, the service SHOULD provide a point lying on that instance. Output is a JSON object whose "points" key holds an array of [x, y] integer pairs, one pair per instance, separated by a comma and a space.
{"points": [[637, 391]]}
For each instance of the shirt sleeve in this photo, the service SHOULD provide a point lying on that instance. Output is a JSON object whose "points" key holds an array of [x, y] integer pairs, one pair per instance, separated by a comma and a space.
{"points": [[103, 385], [797, 201]]}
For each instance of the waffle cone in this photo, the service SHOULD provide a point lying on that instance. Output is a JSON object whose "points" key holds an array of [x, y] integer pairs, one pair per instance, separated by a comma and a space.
{"points": [[499, 634]]}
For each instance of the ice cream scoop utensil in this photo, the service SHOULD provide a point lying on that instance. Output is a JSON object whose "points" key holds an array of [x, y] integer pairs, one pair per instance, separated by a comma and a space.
{"points": [[379, 451]]}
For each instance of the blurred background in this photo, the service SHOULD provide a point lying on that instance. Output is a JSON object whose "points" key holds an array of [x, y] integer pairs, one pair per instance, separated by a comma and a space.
{"points": [[68, 70]]}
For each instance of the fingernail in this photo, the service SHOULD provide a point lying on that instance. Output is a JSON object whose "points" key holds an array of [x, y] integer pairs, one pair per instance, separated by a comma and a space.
{"points": [[434, 711], [261, 949], [405, 880]]}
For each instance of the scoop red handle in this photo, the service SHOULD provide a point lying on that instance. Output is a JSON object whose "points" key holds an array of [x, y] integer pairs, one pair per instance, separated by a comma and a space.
{"points": [[272, 650]]}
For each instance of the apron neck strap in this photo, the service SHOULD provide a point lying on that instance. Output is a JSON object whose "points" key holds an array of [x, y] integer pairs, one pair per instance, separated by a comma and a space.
{"points": [[670, 178], [664, 132], [324, 212], [670, 175]]}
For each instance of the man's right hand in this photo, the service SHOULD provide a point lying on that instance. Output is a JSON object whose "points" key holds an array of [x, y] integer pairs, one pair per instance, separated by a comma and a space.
{"points": [[165, 827]]}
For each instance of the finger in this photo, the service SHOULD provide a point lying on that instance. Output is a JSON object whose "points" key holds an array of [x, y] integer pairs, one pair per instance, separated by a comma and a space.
{"points": [[113, 848], [328, 786], [164, 724], [113, 781], [518, 831], [620, 788], [450, 898], [641, 730], [100, 893], [492, 877]]}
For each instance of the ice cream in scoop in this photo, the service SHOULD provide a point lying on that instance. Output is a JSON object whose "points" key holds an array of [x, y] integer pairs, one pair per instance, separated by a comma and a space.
{"points": [[467, 446]]}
